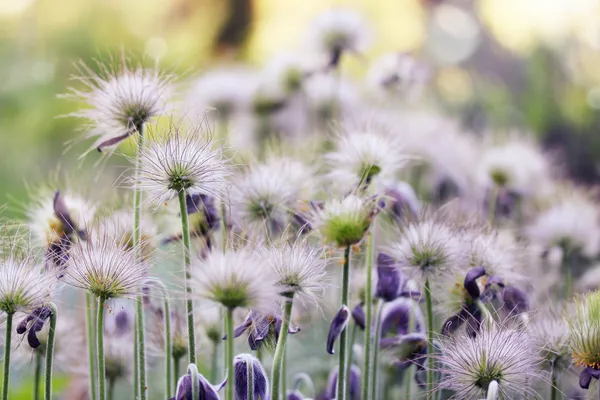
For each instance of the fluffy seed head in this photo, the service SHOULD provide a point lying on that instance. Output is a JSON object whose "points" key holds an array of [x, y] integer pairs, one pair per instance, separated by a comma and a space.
{"points": [[339, 30], [344, 222], [119, 226], [426, 248], [550, 333], [22, 285], [106, 268], [503, 355], [235, 279], [361, 157], [585, 331], [120, 100], [299, 270], [181, 160]]}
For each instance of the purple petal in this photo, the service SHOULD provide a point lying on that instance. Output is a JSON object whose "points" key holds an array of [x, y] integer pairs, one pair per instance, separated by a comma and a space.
{"points": [[396, 318], [261, 382], [515, 300], [358, 314], [112, 142], [338, 324], [586, 375], [389, 280], [470, 282]]}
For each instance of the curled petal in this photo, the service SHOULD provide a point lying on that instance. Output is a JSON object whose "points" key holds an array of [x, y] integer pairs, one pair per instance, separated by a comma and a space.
{"points": [[470, 283], [34, 322], [586, 375], [338, 324], [358, 314], [454, 322]]}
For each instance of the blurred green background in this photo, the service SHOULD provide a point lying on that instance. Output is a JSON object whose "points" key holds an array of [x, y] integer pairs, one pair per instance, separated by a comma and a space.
{"points": [[531, 65]]}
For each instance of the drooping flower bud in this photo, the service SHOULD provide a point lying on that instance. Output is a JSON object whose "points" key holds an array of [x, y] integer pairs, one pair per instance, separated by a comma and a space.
{"points": [[206, 390], [338, 324], [34, 322], [262, 329], [353, 380], [259, 378], [389, 278]]}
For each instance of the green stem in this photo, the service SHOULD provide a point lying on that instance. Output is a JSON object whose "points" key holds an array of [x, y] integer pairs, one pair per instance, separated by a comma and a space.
{"points": [[89, 328], [250, 378], [168, 344], [429, 339], [100, 349], [111, 388], [284, 375], [38, 374], [375, 366], [176, 362], [215, 361], [351, 354], [7, 339], [259, 354], [368, 367], [342, 366], [553, 384], [193, 373], [276, 377], [408, 375], [185, 234], [136, 369], [136, 242], [50, 353], [487, 316], [229, 343]]}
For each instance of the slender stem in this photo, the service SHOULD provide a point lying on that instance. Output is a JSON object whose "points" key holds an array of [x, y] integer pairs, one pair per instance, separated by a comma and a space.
{"points": [[185, 234], [176, 362], [351, 354], [136, 241], [368, 367], [37, 378], [229, 350], [111, 388], [168, 344], [7, 339], [429, 339], [276, 377], [50, 353], [408, 374], [553, 384], [284, 374], [259, 354], [193, 373], [136, 363], [342, 366], [375, 367], [249, 378], [215, 361], [100, 349], [89, 328]]}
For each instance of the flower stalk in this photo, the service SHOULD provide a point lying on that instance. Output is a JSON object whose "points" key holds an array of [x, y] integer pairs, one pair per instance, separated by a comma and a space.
{"points": [[7, 340], [229, 352], [375, 365], [250, 379], [89, 328], [342, 366], [100, 349], [368, 367], [278, 358], [50, 353], [430, 370], [37, 378]]}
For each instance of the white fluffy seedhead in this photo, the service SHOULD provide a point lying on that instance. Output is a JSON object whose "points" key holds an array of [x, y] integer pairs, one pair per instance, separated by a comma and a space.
{"points": [[360, 157], [120, 99], [299, 270], [106, 268], [469, 365], [234, 279], [550, 333], [182, 160], [23, 284], [426, 248], [339, 30]]}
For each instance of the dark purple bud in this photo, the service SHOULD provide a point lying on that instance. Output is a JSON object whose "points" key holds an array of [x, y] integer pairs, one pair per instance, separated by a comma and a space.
{"points": [[358, 314], [389, 278], [515, 300], [586, 375], [64, 216], [261, 327], [470, 283], [261, 382], [353, 383], [34, 322], [206, 390], [294, 395], [112, 142], [338, 324]]}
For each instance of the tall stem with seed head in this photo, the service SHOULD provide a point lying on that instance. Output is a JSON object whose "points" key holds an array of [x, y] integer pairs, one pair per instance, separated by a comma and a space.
{"points": [[50, 353], [368, 307], [250, 379], [136, 240], [342, 366], [276, 377], [168, 344], [38, 374], [375, 369], [430, 371], [185, 234], [89, 329], [100, 349], [7, 340], [229, 351]]}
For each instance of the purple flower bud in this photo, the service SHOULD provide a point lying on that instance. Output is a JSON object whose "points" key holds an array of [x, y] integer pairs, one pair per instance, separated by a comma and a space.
{"points": [[586, 375], [396, 318], [470, 283], [261, 382], [261, 328], [515, 300], [34, 322], [353, 382], [390, 280], [338, 324], [206, 392], [358, 314]]}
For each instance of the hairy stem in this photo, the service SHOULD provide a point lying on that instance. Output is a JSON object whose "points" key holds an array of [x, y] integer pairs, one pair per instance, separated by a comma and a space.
{"points": [[250, 379], [168, 344], [50, 353], [176, 362], [276, 378], [375, 367], [368, 366], [193, 373], [214, 366], [136, 242], [7, 339], [185, 234], [429, 340], [91, 341], [100, 349], [350, 354], [553, 384], [408, 374], [343, 361], [229, 351], [37, 378], [136, 363]]}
